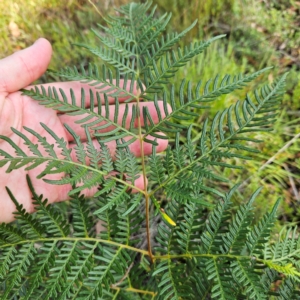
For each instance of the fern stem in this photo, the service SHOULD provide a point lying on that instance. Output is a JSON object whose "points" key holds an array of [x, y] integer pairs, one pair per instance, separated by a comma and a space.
{"points": [[238, 258], [131, 289], [140, 137], [46, 159], [116, 294], [74, 239], [145, 182], [144, 179], [96, 8], [213, 256]]}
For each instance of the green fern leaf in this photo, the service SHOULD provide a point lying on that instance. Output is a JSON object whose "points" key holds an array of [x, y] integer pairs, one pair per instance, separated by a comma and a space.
{"points": [[18, 269], [235, 239], [247, 277], [261, 232], [162, 227], [289, 290], [213, 233], [222, 288]]}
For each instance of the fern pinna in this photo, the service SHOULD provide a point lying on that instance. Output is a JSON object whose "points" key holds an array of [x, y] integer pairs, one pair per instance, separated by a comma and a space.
{"points": [[167, 240]]}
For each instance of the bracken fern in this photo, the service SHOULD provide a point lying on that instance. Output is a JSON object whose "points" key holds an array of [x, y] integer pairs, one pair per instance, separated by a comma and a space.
{"points": [[168, 240]]}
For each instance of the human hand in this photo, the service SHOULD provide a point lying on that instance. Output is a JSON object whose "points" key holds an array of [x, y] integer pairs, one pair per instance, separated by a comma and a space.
{"points": [[16, 110]]}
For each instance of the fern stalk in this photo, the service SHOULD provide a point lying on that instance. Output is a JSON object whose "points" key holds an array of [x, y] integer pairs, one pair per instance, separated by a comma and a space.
{"points": [[180, 236]]}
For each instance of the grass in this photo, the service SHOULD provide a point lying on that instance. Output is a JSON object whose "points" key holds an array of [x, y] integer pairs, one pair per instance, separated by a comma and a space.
{"points": [[259, 34]]}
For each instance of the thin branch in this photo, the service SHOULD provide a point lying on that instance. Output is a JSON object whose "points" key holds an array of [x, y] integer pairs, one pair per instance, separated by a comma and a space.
{"points": [[75, 239], [292, 182], [96, 8], [124, 276]]}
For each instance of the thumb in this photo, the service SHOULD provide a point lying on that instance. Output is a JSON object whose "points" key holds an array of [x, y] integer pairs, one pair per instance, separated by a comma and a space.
{"points": [[23, 67]]}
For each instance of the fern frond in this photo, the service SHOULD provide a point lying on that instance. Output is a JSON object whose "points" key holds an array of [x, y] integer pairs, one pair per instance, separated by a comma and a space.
{"points": [[195, 100], [9, 234], [286, 249], [199, 244], [154, 76], [183, 235], [135, 44], [157, 170], [122, 223], [98, 119], [234, 240], [31, 227], [104, 81], [113, 57], [134, 18], [248, 278], [203, 286], [58, 273], [190, 227], [47, 215], [6, 258], [289, 290], [132, 168], [17, 269], [259, 235], [79, 174], [82, 221], [84, 263], [168, 276], [47, 259], [108, 221], [215, 137], [122, 46], [166, 237], [288, 269], [160, 47], [116, 197], [217, 272], [113, 264], [130, 222], [212, 235], [269, 276]]}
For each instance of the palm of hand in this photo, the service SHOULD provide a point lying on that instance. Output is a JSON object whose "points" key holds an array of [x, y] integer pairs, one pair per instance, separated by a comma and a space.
{"points": [[19, 111]]}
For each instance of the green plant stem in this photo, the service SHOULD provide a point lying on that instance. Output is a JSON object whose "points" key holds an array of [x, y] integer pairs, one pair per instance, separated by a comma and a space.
{"points": [[96, 8], [46, 159], [73, 239], [131, 289], [147, 214], [144, 180]]}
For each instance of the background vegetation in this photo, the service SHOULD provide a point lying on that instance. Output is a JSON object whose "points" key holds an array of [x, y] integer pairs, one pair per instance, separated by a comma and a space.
{"points": [[259, 34]]}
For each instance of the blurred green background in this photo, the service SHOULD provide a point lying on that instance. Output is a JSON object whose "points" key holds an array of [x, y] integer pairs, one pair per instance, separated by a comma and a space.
{"points": [[259, 33]]}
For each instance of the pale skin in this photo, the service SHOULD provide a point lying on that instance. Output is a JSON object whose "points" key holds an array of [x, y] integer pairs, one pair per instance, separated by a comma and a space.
{"points": [[19, 71]]}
